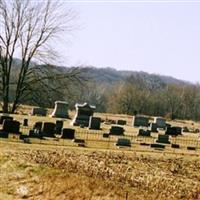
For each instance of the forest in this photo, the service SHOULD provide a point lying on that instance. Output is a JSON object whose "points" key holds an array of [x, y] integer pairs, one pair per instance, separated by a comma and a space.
{"points": [[112, 91]]}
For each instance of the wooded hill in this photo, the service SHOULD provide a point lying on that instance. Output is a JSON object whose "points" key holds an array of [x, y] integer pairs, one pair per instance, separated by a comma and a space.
{"points": [[115, 91]]}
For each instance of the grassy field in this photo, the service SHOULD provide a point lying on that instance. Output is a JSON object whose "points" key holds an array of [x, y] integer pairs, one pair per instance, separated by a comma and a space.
{"points": [[58, 169]]}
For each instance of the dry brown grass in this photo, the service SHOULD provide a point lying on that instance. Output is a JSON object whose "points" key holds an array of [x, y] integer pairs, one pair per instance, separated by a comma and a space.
{"points": [[62, 173]]}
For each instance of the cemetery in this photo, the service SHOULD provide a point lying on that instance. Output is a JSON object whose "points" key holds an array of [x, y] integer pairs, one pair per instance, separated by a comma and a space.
{"points": [[83, 139]]}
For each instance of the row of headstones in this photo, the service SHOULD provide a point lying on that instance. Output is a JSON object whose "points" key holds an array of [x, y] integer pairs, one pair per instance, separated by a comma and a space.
{"points": [[161, 140], [50, 129]]}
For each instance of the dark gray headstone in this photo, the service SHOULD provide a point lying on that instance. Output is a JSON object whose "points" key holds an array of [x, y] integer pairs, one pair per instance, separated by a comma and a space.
{"points": [[48, 129], [68, 133], [11, 126], [25, 122], [3, 117], [39, 111], [123, 142], [153, 127], [60, 110], [59, 126], [139, 120], [144, 133], [174, 131], [95, 123], [121, 122], [163, 139], [116, 130], [83, 114]]}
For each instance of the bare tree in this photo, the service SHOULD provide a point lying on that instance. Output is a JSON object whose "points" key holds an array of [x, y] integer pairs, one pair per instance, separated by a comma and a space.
{"points": [[27, 29]]}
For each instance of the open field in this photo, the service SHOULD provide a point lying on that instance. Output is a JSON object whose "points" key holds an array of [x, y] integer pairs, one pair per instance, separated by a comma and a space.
{"points": [[58, 169], [48, 172]]}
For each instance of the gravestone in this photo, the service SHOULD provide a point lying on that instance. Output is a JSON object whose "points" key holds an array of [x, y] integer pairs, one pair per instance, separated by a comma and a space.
{"points": [[68, 133], [121, 122], [140, 120], [3, 117], [174, 131], [83, 114], [39, 111], [123, 142], [157, 146], [11, 126], [116, 130], [144, 133], [153, 127], [48, 129], [80, 142], [25, 122], [59, 126], [163, 139], [95, 123], [60, 109], [36, 131], [38, 126], [175, 146], [160, 122]]}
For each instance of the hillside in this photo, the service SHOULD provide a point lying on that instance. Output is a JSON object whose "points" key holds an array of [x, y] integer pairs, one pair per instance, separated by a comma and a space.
{"points": [[112, 75]]}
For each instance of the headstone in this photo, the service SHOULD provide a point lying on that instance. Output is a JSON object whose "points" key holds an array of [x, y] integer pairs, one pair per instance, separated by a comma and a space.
{"points": [[144, 133], [59, 126], [11, 126], [174, 131], [191, 148], [39, 111], [68, 133], [38, 126], [105, 135], [48, 129], [60, 109], [80, 142], [116, 130], [25, 122], [95, 123], [160, 122], [175, 146], [163, 139], [121, 122], [3, 117], [157, 146], [83, 114], [123, 142], [140, 120], [153, 127]]}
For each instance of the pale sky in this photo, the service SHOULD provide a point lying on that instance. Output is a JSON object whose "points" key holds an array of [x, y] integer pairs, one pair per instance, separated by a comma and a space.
{"points": [[155, 37]]}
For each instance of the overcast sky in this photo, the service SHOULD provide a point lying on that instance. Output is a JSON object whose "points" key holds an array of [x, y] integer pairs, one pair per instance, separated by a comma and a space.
{"points": [[156, 37]]}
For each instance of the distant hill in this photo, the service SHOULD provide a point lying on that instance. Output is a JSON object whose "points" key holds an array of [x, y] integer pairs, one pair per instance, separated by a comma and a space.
{"points": [[111, 76]]}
